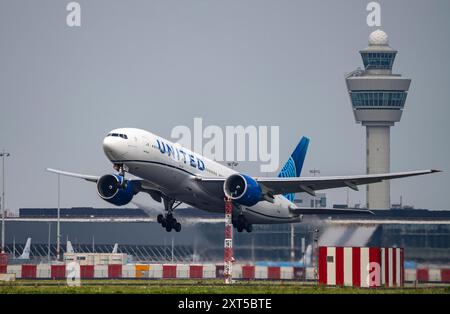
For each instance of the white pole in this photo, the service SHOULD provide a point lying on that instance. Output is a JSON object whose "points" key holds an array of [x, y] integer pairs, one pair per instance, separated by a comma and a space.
{"points": [[292, 243], [3, 155], [314, 172], [172, 249], [49, 237], [58, 232]]}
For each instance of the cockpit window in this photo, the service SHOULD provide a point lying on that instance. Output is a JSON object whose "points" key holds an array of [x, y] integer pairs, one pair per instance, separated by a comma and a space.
{"points": [[124, 136]]}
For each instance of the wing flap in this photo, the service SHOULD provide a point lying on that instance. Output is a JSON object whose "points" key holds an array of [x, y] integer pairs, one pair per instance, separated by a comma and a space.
{"points": [[312, 184], [327, 211]]}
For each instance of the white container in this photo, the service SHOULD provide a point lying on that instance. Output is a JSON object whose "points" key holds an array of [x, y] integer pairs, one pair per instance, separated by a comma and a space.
{"points": [[100, 271], [434, 275], [182, 271], [209, 271], [261, 272], [43, 271], [310, 271], [287, 272], [410, 275], [155, 271], [129, 271], [15, 269], [237, 271]]}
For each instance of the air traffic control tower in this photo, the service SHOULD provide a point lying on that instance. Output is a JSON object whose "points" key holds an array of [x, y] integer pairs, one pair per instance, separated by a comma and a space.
{"points": [[378, 98]]}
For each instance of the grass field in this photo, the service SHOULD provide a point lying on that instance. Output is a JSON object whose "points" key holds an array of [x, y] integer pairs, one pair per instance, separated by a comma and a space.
{"points": [[196, 287]]}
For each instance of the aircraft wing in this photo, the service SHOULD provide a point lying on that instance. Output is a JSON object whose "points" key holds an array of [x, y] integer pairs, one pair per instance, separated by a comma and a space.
{"points": [[75, 175], [279, 185], [141, 185]]}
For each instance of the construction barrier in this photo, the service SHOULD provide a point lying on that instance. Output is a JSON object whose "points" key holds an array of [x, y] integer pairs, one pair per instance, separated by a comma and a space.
{"points": [[195, 271], [28, 271], [3, 259], [361, 266], [169, 271], [355, 274], [155, 271], [43, 271], [58, 271], [114, 271], [142, 270], [87, 271]]}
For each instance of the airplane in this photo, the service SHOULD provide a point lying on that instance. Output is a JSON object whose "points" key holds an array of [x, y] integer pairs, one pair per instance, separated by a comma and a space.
{"points": [[69, 247], [26, 251], [173, 175]]}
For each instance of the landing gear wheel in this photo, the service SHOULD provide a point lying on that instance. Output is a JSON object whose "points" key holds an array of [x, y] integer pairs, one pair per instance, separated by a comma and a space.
{"points": [[167, 221], [249, 228], [240, 228]]}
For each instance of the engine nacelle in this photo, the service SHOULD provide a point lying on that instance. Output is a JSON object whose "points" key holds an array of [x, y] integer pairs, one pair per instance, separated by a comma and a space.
{"points": [[113, 189], [242, 189]]}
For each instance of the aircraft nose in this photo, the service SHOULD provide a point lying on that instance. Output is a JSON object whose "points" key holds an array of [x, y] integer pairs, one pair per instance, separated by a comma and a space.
{"points": [[107, 144], [110, 147]]}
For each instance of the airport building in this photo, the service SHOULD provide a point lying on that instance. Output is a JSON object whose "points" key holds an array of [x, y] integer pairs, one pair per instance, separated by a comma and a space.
{"points": [[424, 234], [378, 98]]}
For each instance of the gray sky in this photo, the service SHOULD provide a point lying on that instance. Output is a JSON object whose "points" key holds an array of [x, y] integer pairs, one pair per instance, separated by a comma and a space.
{"points": [[157, 64]]}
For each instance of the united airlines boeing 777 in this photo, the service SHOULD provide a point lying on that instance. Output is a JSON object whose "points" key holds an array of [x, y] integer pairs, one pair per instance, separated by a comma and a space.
{"points": [[172, 174]]}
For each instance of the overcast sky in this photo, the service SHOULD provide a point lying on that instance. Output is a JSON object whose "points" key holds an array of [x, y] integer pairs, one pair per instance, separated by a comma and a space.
{"points": [[158, 64]]}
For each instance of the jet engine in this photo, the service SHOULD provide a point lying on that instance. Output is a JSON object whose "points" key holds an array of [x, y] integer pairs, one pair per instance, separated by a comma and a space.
{"points": [[242, 189], [115, 189]]}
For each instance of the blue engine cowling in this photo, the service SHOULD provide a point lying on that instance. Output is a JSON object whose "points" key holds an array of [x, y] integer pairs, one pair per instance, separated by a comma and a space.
{"points": [[113, 189], [242, 189]]}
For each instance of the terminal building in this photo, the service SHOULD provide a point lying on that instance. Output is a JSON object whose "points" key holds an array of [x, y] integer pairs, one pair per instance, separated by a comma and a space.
{"points": [[424, 234]]}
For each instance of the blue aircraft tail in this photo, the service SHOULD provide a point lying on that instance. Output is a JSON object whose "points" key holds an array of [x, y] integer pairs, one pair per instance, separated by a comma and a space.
{"points": [[293, 166]]}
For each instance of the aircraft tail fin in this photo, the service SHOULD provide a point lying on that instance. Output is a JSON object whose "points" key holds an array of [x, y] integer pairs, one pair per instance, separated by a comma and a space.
{"points": [[293, 166], [26, 250], [69, 247]]}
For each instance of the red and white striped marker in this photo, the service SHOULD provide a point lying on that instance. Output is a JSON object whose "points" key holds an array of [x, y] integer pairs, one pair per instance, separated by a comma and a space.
{"points": [[228, 244], [361, 266]]}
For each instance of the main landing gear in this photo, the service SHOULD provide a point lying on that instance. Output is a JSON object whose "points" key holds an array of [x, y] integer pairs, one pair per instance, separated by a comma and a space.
{"points": [[242, 224], [167, 221]]}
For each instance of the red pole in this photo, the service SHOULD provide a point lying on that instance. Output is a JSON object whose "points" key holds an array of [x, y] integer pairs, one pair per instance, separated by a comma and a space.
{"points": [[228, 244]]}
